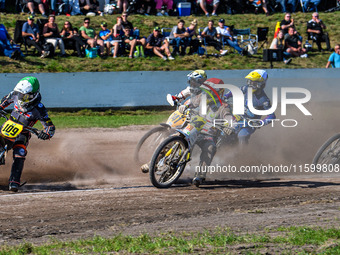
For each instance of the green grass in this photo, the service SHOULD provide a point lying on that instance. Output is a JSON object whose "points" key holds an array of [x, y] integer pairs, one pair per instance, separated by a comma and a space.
{"points": [[33, 64], [305, 240], [107, 119]]}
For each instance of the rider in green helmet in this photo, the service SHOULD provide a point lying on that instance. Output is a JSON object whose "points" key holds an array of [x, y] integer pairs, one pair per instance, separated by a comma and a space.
{"points": [[28, 109]]}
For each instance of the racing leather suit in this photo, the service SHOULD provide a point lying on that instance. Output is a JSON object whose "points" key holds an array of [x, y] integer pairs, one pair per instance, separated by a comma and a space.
{"points": [[27, 117], [260, 102], [207, 138]]}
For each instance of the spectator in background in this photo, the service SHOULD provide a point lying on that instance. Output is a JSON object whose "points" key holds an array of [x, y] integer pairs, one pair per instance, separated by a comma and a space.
{"points": [[118, 28], [334, 58], [124, 4], [260, 3], [203, 5], [66, 6], [225, 34], [30, 6], [160, 3], [2, 6], [118, 32], [284, 4], [6, 45], [52, 35], [89, 6], [133, 42], [71, 37], [315, 26], [107, 36], [286, 23], [279, 43], [127, 23], [30, 31], [180, 38], [194, 43], [293, 44], [209, 34], [90, 36], [145, 7], [312, 3], [158, 44]]}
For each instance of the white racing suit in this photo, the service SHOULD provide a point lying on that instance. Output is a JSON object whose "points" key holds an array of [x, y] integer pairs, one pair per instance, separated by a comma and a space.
{"points": [[207, 138]]}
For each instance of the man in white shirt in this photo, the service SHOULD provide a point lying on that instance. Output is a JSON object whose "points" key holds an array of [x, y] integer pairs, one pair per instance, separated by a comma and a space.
{"points": [[225, 33]]}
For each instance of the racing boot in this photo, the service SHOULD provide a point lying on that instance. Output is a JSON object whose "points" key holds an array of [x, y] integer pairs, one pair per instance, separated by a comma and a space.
{"points": [[13, 186], [14, 179], [145, 168], [198, 180]]}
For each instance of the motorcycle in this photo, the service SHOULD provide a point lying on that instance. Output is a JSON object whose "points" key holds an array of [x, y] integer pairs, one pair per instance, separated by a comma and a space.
{"points": [[10, 130], [171, 156], [155, 136], [329, 152]]}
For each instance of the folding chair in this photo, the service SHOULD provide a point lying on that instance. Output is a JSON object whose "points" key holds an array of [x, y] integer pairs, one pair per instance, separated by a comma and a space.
{"points": [[244, 37], [166, 31], [262, 36], [20, 5]]}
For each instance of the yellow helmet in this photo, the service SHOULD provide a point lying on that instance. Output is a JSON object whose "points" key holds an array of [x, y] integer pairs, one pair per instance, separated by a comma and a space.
{"points": [[257, 79]]}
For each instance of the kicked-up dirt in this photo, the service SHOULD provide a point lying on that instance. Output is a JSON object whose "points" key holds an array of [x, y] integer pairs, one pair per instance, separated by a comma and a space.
{"points": [[84, 182]]}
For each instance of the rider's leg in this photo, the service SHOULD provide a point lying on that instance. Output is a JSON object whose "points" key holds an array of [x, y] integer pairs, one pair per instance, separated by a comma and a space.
{"points": [[244, 135], [208, 148], [19, 155]]}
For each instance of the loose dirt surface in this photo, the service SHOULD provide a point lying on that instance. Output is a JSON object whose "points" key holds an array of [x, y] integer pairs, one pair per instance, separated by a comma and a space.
{"points": [[84, 182]]}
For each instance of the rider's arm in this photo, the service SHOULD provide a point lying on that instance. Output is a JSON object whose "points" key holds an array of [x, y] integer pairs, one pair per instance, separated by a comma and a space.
{"points": [[184, 94], [6, 101], [268, 118], [45, 120]]}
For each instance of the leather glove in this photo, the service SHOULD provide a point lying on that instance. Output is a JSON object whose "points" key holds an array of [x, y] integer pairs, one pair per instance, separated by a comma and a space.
{"points": [[257, 123], [182, 108], [43, 136], [228, 130], [175, 98]]}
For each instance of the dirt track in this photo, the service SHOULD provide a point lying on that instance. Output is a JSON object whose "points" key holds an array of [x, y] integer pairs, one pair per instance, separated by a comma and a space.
{"points": [[106, 193]]}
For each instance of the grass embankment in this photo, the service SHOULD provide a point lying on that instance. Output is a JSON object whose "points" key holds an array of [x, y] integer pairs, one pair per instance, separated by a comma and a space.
{"points": [[107, 119], [293, 240], [34, 64]]}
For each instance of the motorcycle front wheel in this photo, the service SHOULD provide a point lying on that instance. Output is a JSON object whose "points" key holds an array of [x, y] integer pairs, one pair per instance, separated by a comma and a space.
{"points": [[168, 162], [149, 142], [329, 152]]}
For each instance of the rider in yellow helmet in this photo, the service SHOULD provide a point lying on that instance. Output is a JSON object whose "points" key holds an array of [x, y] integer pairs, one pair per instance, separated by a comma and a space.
{"points": [[256, 80]]}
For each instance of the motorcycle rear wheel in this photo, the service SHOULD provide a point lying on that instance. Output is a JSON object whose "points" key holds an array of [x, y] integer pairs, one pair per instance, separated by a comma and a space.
{"points": [[329, 152], [168, 162]]}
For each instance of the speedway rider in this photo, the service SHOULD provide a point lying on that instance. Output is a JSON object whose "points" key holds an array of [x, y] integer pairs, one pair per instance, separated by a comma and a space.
{"points": [[256, 80], [27, 111], [207, 140]]}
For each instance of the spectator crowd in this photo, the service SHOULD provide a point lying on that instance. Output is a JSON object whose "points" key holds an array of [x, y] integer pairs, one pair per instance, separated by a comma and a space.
{"points": [[123, 39], [165, 7]]}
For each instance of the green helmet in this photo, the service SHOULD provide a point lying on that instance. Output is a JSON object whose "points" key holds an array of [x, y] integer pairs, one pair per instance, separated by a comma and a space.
{"points": [[27, 91]]}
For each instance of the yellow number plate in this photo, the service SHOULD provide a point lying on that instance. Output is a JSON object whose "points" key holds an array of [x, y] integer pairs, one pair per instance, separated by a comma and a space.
{"points": [[11, 129]]}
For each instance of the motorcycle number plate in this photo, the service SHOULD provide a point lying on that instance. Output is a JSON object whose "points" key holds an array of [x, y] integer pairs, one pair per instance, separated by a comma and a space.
{"points": [[176, 119], [11, 129]]}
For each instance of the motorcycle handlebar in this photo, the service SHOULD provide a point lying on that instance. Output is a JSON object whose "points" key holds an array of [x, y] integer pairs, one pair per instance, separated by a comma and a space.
{"points": [[32, 130]]}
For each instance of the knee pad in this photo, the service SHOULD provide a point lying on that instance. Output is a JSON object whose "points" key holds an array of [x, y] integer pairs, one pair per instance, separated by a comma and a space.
{"points": [[19, 151], [211, 149]]}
